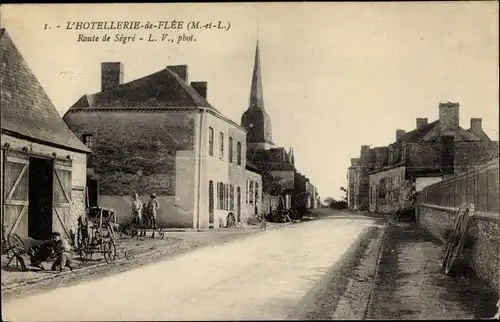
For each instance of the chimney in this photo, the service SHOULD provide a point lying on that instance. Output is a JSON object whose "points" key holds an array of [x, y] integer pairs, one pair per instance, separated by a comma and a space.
{"points": [[399, 134], [364, 154], [180, 70], [421, 122], [476, 125], [354, 161], [448, 118], [201, 88], [111, 75]]}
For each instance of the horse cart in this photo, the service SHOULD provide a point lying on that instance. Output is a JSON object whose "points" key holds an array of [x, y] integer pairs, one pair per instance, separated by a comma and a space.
{"points": [[101, 236]]}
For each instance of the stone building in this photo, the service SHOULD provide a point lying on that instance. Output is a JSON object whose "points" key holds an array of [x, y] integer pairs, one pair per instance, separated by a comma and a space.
{"points": [[159, 134], [425, 156], [43, 164], [353, 173], [276, 165]]}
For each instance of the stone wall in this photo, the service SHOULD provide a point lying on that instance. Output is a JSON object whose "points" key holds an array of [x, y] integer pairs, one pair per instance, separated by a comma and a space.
{"points": [[77, 207], [483, 256], [135, 151]]}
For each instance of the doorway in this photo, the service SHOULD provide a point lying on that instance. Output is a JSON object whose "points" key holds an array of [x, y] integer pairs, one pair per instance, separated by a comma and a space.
{"points": [[40, 198], [211, 204]]}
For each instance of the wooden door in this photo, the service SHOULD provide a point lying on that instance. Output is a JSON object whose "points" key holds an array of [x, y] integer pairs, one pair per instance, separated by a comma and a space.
{"points": [[61, 200], [15, 189]]}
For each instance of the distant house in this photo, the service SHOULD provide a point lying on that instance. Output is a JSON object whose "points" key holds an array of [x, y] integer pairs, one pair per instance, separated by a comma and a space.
{"points": [[424, 156], [358, 182], [43, 164], [158, 134], [353, 173]]}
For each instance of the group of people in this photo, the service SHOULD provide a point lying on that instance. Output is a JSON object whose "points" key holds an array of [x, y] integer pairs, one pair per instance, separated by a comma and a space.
{"points": [[145, 217]]}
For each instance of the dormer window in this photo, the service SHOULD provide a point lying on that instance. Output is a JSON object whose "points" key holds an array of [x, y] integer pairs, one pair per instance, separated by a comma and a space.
{"points": [[87, 140]]}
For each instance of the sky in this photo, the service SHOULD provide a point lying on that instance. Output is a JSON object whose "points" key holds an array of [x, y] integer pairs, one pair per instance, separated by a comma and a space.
{"points": [[335, 75]]}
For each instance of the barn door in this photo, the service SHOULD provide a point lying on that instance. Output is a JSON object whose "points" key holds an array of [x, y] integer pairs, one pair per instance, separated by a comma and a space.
{"points": [[61, 201], [15, 189]]}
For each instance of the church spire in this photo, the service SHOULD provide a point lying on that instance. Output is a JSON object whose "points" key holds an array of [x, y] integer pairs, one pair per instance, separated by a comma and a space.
{"points": [[256, 95], [255, 119]]}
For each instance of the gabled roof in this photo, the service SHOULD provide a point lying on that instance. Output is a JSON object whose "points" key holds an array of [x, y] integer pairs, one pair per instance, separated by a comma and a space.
{"points": [[431, 131], [26, 109], [419, 133], [483, 136], [161, 89]]}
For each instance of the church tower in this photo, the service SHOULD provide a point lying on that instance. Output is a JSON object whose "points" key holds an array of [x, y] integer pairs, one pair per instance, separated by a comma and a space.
{"points": [[255, 119]]}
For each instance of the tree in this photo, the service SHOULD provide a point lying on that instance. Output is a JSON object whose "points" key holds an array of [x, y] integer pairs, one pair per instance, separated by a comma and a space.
{"points": [[346, 192], [337, 204]]}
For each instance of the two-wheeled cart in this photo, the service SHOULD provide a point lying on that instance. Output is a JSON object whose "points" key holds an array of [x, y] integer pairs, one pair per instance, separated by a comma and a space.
{"points": [[102, 237]]}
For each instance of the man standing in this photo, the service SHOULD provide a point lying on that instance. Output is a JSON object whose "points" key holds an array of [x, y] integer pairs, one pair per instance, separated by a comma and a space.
{"points": [[153, 206], [62, 252], [136, 212]]}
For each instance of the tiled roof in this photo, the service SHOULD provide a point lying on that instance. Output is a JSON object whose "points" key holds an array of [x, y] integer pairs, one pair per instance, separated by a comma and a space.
{"points": [[252, 167], [483, 136], [161, 89], [26, 109], [419, 133], [430, 132]]}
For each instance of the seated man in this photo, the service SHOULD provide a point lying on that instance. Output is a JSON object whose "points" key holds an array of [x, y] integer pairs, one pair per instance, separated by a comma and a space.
{"points": [[41, 253], [62, 253]]}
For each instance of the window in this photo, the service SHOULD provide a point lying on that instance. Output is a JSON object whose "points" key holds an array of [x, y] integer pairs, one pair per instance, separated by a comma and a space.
{"points": [[246, 192], [230, 149], [210, 141], [231, 198], [371, 195], [210, 195], [238, 153], [250, 194], [87, 140], [218, 195], [221, 142], [226, 197], [256, 192], [220, 192]]}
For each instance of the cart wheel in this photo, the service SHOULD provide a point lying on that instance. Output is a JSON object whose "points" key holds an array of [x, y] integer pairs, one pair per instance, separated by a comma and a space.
{"points": [[129, 254], [450, 246], [109, 251]]}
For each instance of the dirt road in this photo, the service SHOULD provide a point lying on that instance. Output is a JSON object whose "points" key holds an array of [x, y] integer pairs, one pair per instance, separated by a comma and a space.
{"points": [[263, 276]]}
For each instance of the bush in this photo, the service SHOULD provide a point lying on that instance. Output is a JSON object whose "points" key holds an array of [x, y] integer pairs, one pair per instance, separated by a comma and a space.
{"points": [[338, 205]]}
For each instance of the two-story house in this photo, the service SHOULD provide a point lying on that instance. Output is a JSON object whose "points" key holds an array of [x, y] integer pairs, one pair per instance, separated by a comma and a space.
{"points": [[158, 134], [424, 156]]}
